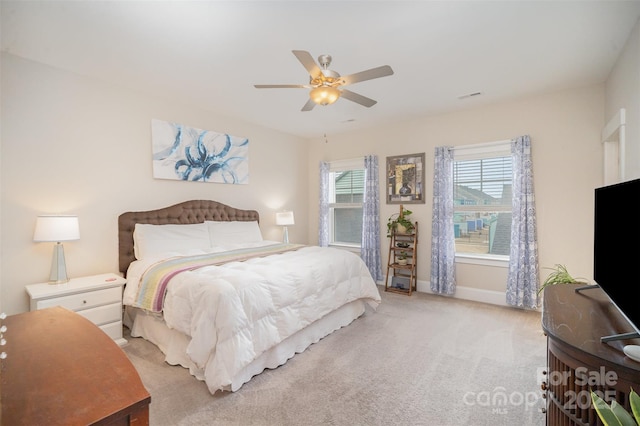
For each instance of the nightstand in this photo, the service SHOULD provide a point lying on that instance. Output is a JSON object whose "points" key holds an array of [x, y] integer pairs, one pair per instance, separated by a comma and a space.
{"points": [[97, 298]]}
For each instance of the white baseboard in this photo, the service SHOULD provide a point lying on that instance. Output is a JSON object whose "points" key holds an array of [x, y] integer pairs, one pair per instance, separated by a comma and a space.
{"points": [[469, 293], [491, 297], [475, 294]]}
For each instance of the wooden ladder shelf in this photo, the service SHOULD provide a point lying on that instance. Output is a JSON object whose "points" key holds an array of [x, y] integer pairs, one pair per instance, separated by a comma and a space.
{"points": [[402, 262]]}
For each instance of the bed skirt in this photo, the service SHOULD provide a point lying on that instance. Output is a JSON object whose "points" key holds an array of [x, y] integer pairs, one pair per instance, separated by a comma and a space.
{"points": [[173, 344]]}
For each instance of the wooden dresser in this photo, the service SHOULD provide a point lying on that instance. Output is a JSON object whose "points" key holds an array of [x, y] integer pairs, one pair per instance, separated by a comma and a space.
{"points": [[578, 361], [61, 369]]}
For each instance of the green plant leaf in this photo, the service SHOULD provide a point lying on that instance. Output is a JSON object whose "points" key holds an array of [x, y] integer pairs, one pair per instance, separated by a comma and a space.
{"points": [[560, 275], [634, 398], [622, 414], [604, 411], [403, 220]]}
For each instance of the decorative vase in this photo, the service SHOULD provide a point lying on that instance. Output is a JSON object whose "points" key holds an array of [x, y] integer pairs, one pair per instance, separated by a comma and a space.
{"points": [[405, 189]]}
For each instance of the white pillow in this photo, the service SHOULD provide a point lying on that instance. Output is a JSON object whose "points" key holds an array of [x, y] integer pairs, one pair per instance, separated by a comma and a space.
{"points": [[149, 240], [236, 232]]}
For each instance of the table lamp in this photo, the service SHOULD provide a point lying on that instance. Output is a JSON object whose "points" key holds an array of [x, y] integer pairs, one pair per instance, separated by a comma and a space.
{"points": [[57, 229], [284, 219]]}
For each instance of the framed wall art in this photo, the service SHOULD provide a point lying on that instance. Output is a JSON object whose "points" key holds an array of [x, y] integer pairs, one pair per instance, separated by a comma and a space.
{"points": [[405, 179], [186, 153]]}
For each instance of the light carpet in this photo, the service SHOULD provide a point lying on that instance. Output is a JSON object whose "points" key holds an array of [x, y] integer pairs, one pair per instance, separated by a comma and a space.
{"points": [[419, 360]]}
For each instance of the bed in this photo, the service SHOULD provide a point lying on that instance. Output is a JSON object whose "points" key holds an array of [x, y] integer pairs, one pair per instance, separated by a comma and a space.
{"points": [[216, 298]]}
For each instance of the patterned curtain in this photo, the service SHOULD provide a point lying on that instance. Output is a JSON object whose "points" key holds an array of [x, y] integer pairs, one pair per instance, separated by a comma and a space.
{"points": [[443, 252], [370, 247], [323, 224], [522, 282]]}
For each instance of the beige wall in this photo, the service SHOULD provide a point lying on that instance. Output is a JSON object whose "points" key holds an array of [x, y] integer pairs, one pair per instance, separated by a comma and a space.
{"points": [[623, 91], [565, 131], [75, 145], [79, 146]]}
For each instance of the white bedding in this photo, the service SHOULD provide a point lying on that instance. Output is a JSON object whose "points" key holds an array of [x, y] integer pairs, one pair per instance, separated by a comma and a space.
{"points": [[234, 313]]}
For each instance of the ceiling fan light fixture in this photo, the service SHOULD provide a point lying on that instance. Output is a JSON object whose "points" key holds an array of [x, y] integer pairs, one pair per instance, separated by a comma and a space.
{"points": [[324, 95], [324, 83]]}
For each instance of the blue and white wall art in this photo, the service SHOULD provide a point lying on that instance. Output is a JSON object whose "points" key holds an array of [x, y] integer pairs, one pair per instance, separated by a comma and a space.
{"points": [[186, 153]]}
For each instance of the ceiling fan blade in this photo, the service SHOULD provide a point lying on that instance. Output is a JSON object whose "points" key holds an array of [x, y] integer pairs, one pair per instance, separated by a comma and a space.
{"points": [[359, 99], [308, 106], [307, 61], [281, 86], [370, 74]]}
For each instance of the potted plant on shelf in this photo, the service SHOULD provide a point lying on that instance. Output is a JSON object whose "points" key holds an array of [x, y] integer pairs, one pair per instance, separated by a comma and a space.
{"points": [[402, 258], [400, 222]]}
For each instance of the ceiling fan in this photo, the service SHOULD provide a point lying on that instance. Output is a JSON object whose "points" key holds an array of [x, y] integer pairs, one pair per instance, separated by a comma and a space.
{"points": [[326, 85]]}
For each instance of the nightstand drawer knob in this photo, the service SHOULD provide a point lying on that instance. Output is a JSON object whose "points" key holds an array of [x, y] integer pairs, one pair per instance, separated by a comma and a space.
{"points": [[84, 302]]}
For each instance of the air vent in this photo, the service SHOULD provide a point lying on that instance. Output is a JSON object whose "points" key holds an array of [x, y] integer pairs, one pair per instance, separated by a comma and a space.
{"points": [[470, 95]]}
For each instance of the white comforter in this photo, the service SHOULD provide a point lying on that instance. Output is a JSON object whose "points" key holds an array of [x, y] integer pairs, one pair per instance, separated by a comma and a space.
{"points": [[236, 311]]}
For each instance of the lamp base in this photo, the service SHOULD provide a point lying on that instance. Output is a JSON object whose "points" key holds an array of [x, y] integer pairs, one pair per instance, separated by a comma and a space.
{"points": [[285, 238], [58, 273]]}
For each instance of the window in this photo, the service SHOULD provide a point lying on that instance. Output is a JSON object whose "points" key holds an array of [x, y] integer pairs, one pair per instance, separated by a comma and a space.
{"points": [[482, 179], [346, 196]]}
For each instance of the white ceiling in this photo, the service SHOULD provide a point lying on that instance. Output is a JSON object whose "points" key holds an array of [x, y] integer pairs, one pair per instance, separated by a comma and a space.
{"points": [[211, 53]]}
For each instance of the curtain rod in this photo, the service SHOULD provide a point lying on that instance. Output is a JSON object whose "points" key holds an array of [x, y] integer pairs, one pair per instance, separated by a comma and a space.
{"points": [[482, 145]]}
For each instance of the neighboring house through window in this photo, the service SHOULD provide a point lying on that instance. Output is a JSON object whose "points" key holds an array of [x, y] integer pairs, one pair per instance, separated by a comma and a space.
{"points": [[482, 179], [346, 196]]}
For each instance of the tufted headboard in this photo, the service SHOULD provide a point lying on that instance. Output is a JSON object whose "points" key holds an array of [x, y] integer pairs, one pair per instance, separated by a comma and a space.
{"points": [[195, 211]]}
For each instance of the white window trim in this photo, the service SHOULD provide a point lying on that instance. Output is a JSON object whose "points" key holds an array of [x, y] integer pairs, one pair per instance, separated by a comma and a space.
{"points": [[350, 164], [613, 144], [482, 150], [355, 248], [483, 259]]}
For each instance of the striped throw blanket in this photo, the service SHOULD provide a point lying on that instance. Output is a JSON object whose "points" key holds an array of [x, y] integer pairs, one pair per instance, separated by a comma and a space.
{"points": [[154, 281]]}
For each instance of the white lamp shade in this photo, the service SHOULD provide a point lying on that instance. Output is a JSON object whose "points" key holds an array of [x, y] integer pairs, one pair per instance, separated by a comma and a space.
{"points": [[284, 218], [56, 228]]}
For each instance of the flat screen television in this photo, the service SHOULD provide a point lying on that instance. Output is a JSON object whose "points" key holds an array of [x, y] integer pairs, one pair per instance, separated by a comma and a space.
{"points": [[616, 249]]}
